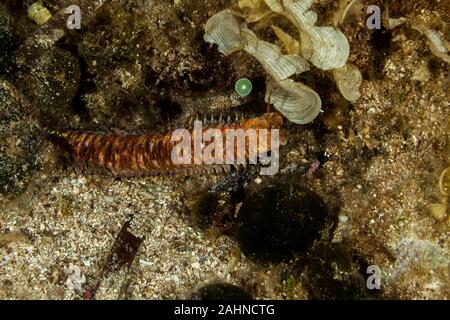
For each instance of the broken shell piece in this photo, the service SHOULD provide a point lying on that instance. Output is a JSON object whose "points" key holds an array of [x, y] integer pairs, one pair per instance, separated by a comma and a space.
{"points": [[391, 23], [223, 29], [437, 46], [296, 101], [38, 13], [346, 9], [348, 80], [279, 66]]}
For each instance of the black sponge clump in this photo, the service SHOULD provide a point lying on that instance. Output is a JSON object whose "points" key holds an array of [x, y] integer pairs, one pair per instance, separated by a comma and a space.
{"points": [[280, 222], [333, 274]]}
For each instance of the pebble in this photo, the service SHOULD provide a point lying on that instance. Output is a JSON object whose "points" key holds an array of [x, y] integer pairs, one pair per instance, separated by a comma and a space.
{"points": [[108, 198], [343, 218], [438, 211]]}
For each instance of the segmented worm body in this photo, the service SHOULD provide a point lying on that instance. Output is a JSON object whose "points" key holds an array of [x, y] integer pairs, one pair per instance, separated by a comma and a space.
{"points": [[148, 154]]}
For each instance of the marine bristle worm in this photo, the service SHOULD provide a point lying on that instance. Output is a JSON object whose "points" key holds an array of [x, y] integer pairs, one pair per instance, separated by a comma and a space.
{"points": [[151, 154]]}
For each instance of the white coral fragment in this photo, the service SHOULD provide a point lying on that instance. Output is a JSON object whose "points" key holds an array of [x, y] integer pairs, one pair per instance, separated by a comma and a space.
{"points": [[296, 101], [224, 30], [348, 80]]}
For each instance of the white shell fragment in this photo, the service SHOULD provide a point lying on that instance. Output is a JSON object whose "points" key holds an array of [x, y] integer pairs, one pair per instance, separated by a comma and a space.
{"points": [[391, 23], [296, 101], [223, 29], [437, 45], [346, 9], [348, 80], [279, 66]]}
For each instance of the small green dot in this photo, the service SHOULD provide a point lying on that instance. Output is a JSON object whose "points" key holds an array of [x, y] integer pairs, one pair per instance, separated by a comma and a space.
{"points": [[243, 87]]}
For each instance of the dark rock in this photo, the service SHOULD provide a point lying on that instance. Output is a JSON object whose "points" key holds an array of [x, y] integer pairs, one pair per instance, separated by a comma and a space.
{"points": [[6, 38], [20, 141], [51, 83], [205, 208]]}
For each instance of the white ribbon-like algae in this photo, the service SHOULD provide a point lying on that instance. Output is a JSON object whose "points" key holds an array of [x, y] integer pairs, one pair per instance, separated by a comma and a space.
{"points": [[326, 48]]}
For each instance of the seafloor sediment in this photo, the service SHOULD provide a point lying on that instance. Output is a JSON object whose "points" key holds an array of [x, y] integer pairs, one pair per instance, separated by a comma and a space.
{"points": [[143, 65]]}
